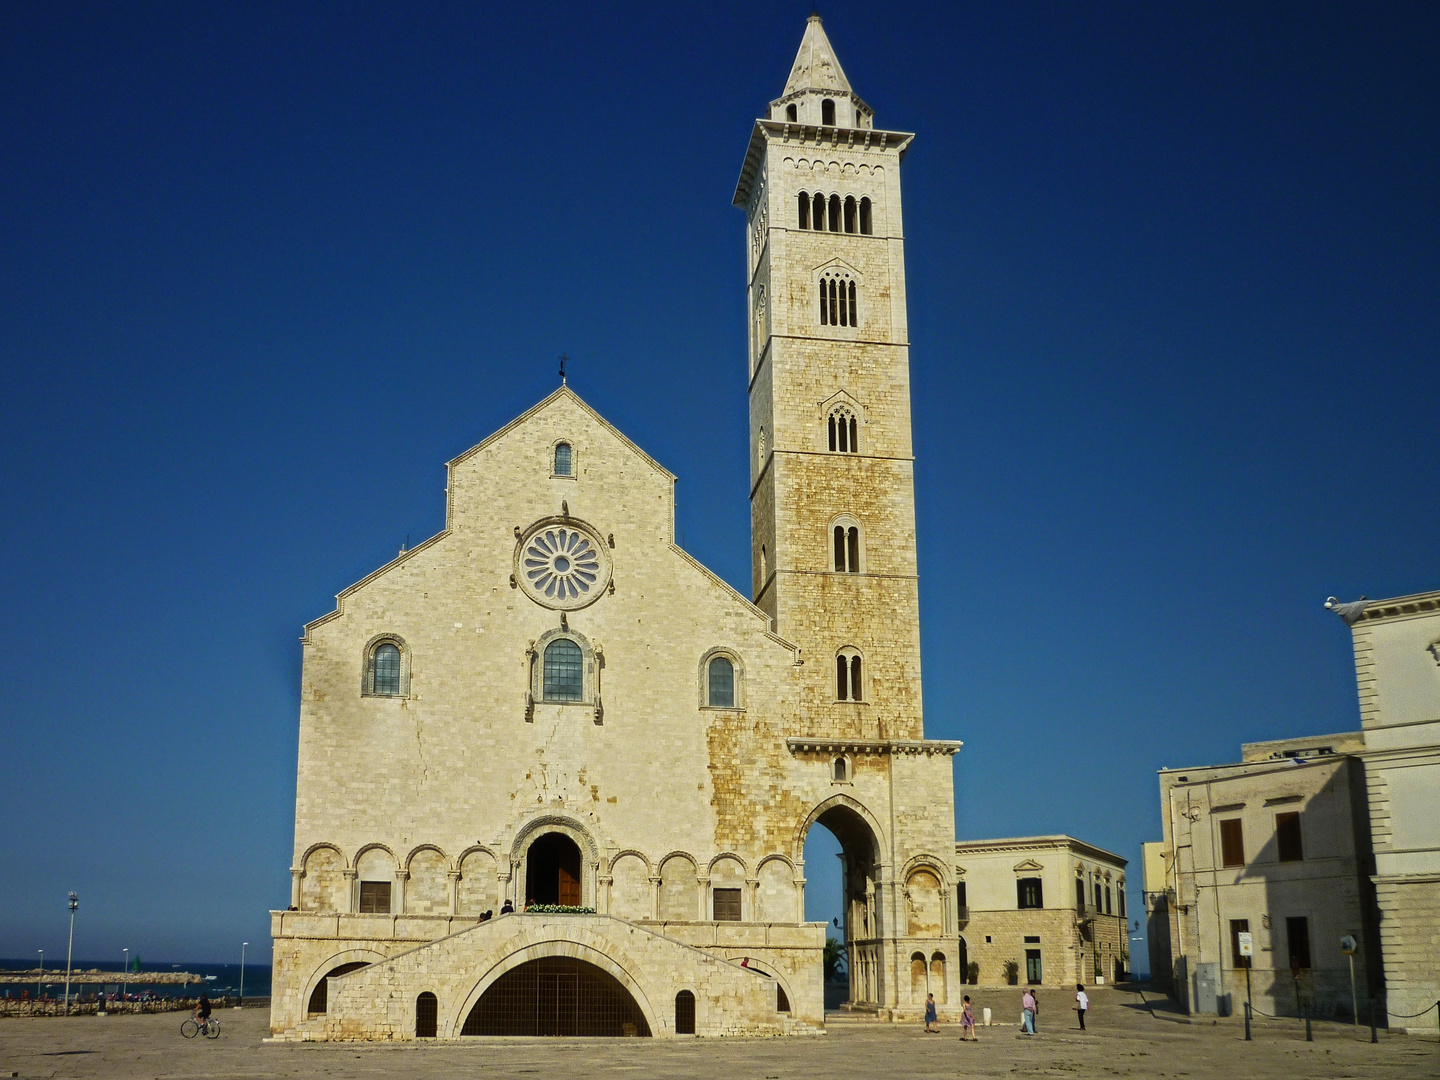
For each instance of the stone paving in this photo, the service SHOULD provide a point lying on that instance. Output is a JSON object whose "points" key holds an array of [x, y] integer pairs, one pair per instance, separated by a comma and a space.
{"points": [[1131, 1034]]}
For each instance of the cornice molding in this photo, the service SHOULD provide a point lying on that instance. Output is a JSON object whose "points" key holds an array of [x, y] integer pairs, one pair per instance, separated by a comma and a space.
{"points": [[876, 747]]}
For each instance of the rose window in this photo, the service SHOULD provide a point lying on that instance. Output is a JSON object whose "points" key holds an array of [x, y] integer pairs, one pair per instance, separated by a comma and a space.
{"points": [[562, 566]]}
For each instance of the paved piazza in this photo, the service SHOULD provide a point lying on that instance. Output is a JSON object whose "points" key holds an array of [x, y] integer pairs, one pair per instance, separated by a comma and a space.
{"points": [[1126, 1039]]}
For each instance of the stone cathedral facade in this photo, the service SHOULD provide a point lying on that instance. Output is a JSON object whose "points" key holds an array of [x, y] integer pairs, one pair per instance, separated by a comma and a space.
{"points": [[551, 707]]}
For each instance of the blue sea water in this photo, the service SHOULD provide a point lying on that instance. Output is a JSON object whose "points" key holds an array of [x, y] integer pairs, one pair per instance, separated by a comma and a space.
{"points": [[220, 979]]}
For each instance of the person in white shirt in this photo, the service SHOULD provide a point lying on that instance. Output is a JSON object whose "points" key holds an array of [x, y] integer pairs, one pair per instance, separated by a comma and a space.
{"points": [[1082, 1003]]}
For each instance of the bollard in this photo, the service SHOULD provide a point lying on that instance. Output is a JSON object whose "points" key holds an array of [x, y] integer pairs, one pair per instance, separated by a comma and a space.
{"points": [[986, 1014], [1309, 1037], [1247, 1021], [1374, 1037]]}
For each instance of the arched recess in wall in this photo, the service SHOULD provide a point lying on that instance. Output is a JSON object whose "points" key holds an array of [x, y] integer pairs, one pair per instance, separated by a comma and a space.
{"points": [[324, 885], [427, 887]]}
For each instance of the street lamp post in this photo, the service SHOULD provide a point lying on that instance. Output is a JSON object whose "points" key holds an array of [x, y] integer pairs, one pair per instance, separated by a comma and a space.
{"points": [[241, 999], [70, 950], [125, 976], [41, 977]]}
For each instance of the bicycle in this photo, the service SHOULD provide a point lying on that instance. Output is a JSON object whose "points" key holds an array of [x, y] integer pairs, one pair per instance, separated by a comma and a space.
{"points": [[192, 1027]]}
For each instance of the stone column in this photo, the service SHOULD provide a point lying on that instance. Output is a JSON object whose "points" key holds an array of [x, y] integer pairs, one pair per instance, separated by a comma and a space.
{"points": [[296, 874], [799, 899], [452, 879], [397, 902], [654, 896], [602, 894], [703, 915], [352, 889]]}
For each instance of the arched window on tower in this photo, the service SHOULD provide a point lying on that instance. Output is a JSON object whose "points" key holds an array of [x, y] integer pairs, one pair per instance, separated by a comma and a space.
{"points": [[849, 682], [834, 213], [791, 113], [817, 217], [562, 459], [865, 227], [839, 298], [847, 549], [850, 213], [844, 433], [827, 113], [804, 202]]}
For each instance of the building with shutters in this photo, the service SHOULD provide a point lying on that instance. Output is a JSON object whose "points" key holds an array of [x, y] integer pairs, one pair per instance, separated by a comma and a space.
{"points": [[1052, 906], [551, 707], [1276, 846]]}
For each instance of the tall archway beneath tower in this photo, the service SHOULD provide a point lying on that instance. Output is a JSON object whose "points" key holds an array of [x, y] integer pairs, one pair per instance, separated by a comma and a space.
{"points": [[856, 893]]}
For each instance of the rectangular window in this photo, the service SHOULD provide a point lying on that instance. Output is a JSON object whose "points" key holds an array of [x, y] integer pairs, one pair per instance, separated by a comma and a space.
{"points": [[1097, 896], [1120, 895], [1238, 927], [1028, 893], [960, 898], [375, 898], [1297, 935], [1107, 899], [1287, 837], [1232, 843], [1080, 894], [727, 905]]}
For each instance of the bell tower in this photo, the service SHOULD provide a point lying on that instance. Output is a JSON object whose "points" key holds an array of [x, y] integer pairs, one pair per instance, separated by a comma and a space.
{"points": [[831, 465]]}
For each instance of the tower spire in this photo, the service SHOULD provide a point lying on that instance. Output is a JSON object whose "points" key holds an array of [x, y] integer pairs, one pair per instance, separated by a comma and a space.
{"points": [[816, 65], [817, 91]]}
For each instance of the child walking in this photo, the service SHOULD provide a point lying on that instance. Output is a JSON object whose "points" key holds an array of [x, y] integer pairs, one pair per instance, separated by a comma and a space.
{"points": [[932, 1017], [1082, 1003]]}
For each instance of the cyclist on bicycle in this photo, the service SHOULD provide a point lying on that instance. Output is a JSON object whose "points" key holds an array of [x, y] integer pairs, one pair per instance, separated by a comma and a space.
{"points": [[202, 1010]]}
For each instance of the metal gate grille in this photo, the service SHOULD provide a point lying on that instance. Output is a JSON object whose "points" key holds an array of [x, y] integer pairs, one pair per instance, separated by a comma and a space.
{"points": [[556, 996], [426, 1015]]}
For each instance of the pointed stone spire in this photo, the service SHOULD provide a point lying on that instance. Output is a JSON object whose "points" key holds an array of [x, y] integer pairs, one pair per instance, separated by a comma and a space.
{"points": [[817, 92], [816, 66]]}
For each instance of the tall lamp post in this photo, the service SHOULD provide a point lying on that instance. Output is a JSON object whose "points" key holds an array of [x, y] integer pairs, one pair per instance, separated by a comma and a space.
{"points": [[125, 975], [70, 950], [41, 977], [241, 999]]}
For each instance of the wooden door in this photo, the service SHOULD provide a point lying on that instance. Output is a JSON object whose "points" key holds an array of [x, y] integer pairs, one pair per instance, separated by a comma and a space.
{"points": [[569, 886]]}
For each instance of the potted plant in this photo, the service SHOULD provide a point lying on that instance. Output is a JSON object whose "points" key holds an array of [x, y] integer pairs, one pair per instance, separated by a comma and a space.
{"points": [[972, 970], [1012, 972]]}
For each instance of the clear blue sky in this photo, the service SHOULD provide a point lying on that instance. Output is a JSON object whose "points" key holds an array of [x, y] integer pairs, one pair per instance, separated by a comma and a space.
{"points": [[1174, 305]]}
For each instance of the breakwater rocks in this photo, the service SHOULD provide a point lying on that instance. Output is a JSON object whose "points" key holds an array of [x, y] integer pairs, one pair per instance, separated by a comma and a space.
{"points": [[12, 1007]]}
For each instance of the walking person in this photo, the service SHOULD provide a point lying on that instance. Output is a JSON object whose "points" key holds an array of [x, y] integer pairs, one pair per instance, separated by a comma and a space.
{"points": [[932, 1017], [1027, 1014], [967, 1022], [1082, 1003], [1035, 1019]]}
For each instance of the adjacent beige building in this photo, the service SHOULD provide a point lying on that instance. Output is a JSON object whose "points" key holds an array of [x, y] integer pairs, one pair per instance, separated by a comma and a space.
{"points": [[551, 705], [1397, 670], [1052, 906], [1276, 847]]}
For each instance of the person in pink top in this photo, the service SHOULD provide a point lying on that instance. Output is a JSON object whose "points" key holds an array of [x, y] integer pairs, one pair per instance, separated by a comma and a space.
{"points": [[1027, 1017], [967, 1022]]}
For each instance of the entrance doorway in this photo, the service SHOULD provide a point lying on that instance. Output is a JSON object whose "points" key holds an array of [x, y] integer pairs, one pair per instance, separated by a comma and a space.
{"points": [[556, 996], [1032, 967], [851, 893], [552, 871]]}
